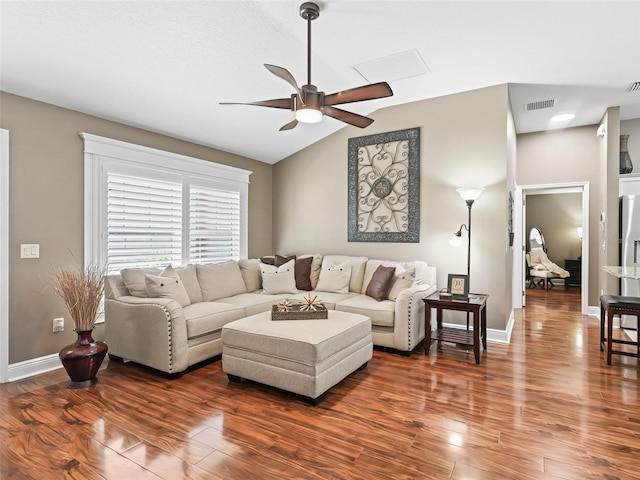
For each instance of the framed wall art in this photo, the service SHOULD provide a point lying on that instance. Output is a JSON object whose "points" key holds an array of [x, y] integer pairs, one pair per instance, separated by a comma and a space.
{"points": [[384, 190]]}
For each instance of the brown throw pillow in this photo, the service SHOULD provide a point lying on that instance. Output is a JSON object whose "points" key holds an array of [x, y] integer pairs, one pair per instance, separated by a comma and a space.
{"points": [[280, 260], [268, 260], [303, 273], [379, 285]]}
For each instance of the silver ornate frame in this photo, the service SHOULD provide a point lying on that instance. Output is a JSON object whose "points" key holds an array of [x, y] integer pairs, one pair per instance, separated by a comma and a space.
{"points": [[396, 185]]}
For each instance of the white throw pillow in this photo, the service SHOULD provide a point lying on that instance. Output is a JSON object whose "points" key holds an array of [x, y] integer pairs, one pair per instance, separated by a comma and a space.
{"points": [[334, 278], [280, 279], [167, 285], [220, 280], [357, 265], [401, 282]]}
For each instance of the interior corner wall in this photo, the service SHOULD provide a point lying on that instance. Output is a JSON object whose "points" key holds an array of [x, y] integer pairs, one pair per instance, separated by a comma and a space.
{"points": [[463, 143], [46, 207], [565, 156]]}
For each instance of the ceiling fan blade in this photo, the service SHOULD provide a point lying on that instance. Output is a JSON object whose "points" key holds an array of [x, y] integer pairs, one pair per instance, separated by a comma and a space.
{"points": [[284, 74], [289, 126], [358, 94], [347, 117], [277, 103]]}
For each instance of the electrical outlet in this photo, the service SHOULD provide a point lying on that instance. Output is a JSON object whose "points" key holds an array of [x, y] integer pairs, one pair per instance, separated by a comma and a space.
{"points": [[58, 325]]}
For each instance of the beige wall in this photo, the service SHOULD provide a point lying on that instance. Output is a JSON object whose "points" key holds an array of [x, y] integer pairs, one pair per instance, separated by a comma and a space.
{"points": [[464, 143], [563, 156], [46, 207], [557, 216]]}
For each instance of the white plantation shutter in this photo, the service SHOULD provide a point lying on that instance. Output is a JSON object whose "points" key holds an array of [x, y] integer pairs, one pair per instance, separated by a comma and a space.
{"points": [[214, 224], [148, 208], [144, 221]]}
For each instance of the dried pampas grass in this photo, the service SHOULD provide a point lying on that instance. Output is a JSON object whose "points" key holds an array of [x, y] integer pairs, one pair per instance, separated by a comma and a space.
{"points": [[82, 291]]}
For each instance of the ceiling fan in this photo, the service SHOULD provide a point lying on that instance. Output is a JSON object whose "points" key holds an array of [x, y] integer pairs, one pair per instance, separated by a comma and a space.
{"points": [[308, 103]]}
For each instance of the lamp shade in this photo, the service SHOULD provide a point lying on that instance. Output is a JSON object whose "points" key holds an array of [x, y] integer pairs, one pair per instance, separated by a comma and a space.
{"points": [[455, 241], [469, 193], [579, 230], [308, 115]]}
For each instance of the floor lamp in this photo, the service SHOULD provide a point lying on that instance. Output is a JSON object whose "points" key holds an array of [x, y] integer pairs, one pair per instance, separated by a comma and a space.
{"points": [[469, 195]]}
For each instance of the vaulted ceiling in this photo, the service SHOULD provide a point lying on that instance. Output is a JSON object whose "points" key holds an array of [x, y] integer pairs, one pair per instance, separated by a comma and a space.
{"points": [[165, 66]]}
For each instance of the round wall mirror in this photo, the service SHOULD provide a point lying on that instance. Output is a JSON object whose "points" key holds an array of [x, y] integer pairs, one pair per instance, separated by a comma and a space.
{"points": [[536, 239]]}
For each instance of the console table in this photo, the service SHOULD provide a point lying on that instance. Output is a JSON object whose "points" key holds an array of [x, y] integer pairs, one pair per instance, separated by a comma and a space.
{"points": [[476, 305]]}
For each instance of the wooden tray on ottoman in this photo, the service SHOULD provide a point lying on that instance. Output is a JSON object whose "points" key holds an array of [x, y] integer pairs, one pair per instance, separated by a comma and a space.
{"points": [[295, 313]]}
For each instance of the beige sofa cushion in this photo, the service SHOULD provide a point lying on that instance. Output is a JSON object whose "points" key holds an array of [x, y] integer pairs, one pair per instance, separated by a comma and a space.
{"points": [[207, 317], [134, 280], [190, 281], [381, 313], [357, 269], [254, 302], [219, 280], [328, 299], [250, 270], [167, 285]]}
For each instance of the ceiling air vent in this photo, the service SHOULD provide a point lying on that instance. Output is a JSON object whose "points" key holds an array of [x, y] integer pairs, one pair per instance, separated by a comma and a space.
{"points": [[539, 105], [634, 87]]}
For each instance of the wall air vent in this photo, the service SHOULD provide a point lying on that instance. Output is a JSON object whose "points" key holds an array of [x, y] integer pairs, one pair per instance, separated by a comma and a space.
{"points": [[529, 107], [634, 87]]}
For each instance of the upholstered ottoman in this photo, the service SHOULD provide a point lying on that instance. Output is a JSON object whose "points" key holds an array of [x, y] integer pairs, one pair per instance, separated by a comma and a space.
{"points": [[306, 357]]}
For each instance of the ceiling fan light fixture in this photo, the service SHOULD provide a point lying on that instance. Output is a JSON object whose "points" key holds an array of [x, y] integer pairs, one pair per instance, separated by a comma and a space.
{"points": [[308, 115]]}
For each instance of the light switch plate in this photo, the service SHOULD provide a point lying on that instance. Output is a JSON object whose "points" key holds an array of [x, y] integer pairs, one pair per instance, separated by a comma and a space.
{"points": [[30, 250]]}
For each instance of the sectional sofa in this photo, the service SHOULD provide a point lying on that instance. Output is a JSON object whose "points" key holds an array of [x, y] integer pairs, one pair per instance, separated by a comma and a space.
{"points": [[172, 319]]}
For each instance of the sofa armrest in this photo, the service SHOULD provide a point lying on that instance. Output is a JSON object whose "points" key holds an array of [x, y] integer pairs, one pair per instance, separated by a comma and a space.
{"points": [[408, 328], [149, 331]]}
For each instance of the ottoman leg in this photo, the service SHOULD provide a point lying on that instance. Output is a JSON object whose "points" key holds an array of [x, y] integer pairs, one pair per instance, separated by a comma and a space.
{"points": [[235, 378], [314, 401]]}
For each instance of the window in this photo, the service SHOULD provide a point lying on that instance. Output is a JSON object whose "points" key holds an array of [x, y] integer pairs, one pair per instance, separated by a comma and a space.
{"points": [[146, 207]]}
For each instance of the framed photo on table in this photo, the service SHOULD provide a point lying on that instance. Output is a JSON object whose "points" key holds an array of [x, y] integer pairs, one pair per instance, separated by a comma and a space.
{"points": [[458, 285]]}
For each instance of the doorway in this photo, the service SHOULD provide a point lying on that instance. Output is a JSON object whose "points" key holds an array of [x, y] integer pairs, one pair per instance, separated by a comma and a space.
{"points": [[561, 209]]}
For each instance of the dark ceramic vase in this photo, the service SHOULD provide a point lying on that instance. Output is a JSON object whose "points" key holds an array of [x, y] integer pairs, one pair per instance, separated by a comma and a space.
{"points": [[625, 160], [82, 359]]}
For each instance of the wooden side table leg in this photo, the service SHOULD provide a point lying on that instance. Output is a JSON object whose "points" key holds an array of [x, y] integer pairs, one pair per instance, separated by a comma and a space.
{"points": [[427, 329], [483, 327], [603, 316], [476, 335]]}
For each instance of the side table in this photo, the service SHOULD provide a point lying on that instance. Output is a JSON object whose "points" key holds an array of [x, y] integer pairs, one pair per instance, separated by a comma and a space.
{"points": [[476, 304]]}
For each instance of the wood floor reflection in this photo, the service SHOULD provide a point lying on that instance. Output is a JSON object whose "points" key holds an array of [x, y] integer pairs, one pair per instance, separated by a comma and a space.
{"points": [[544, 407]]}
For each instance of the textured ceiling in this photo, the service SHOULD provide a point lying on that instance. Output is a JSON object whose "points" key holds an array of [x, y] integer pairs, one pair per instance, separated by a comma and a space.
{"points": [[164, 66]]}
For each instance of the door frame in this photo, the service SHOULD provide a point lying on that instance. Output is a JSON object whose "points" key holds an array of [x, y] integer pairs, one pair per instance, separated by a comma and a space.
{"points": [[4, 255], [521, 191]]}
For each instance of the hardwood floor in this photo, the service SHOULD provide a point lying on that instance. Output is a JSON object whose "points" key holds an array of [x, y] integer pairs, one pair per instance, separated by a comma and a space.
{"points": [[544, 407]]}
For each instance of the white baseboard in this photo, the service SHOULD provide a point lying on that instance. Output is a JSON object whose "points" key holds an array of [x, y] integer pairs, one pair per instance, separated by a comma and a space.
{"points": [[35, 366]]}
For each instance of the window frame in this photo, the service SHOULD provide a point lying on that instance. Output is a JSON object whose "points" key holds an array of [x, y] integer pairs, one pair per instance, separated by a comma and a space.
{"points": [[101, 153]]}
